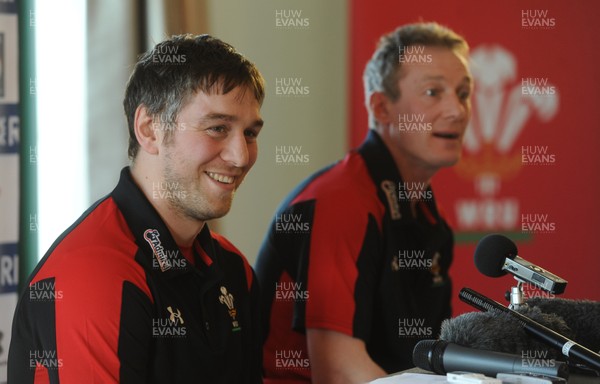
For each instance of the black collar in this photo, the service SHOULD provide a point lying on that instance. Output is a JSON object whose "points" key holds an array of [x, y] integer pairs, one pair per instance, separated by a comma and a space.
{"points": [[387, 178]]}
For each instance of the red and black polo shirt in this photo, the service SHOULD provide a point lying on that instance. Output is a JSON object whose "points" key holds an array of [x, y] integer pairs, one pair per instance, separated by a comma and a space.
{"points": [[115, 300], [346, 253]]}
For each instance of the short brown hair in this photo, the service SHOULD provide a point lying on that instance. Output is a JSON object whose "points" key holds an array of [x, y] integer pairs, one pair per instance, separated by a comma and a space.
{"points": [[165, 78]]}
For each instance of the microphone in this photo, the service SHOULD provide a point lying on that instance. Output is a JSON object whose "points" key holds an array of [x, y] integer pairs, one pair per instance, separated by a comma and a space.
{"points": [[442, 357], [500, 332], [582, 316], [495, 255], [568, 347]]}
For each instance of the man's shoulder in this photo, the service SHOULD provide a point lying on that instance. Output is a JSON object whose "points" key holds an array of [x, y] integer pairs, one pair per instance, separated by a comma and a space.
{"points": [[103, 225], [226, 245], [346, 182], [99, 241]]}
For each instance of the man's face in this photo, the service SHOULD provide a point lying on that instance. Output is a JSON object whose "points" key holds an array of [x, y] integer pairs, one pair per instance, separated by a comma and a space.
{"points": [[433, 110], [211, 150]]}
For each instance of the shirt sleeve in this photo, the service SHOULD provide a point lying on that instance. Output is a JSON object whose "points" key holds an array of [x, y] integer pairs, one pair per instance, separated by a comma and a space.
{"points": [[344, 249], [82, 322]]}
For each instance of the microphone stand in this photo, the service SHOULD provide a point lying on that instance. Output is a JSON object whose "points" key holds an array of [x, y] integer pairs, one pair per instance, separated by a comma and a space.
{"points": [[516, 295]]}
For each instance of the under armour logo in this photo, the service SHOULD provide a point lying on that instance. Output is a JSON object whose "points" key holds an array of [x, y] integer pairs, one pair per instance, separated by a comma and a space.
{"points": [[175, 316]]}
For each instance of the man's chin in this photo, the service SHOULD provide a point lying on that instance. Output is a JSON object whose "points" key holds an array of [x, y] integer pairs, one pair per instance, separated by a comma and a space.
{"points": [[207, 214], [452, 162], [452, 159], [218, 215], [448, 162]]}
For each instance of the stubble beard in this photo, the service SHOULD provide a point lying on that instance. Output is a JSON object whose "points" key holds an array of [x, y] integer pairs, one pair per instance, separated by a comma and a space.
{"points": [[193, 203]]}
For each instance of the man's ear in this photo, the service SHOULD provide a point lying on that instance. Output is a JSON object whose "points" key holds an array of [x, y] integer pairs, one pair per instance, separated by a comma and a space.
{"points": [[379, 104], [145, 131]]}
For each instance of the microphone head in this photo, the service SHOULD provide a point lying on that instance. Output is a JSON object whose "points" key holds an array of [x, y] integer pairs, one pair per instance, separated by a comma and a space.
{"points": [[428, 354], [491, 252]]}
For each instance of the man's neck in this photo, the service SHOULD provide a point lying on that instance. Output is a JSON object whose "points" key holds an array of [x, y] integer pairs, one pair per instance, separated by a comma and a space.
{"points": [[412, 173], [183, 229], [410, 170]]}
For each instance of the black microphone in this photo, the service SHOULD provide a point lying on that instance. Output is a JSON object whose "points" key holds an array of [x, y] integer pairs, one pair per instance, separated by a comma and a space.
{"points": [[568, 347], [500, 332], [495, 255], [442, 357], [582, 316]]}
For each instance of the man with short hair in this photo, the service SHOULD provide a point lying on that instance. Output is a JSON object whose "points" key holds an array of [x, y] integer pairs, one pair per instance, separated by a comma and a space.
{"points": [[139, 290], [347, 294]]}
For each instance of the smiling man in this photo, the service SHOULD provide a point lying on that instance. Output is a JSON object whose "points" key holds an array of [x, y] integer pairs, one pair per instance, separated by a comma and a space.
{"points": [[346, 300], [139, 290]]}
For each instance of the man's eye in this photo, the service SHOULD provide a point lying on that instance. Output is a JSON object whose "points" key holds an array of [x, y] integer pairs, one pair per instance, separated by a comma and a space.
{"points": [[251, 134], [432, 92], [464, 95], [218, 129]]}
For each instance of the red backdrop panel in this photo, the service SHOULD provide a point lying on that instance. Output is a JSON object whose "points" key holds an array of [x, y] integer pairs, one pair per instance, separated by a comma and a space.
{"points": [[530, 161]]}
